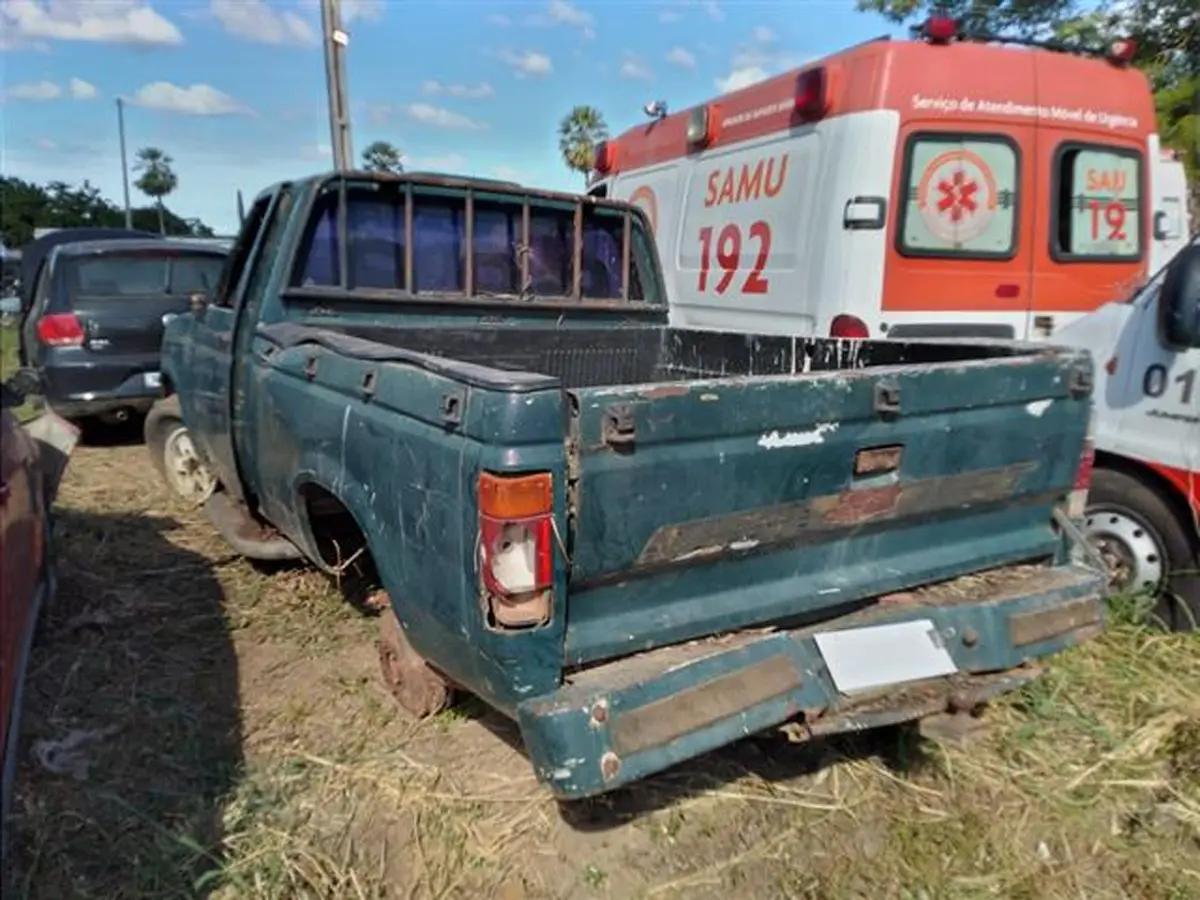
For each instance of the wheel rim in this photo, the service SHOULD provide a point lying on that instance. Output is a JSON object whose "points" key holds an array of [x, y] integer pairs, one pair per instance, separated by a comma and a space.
{"points": [[1131, 550], [186, 472]]}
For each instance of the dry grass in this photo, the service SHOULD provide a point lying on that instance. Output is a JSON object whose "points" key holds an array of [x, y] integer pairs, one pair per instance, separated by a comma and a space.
{"points": [[256, 756]]}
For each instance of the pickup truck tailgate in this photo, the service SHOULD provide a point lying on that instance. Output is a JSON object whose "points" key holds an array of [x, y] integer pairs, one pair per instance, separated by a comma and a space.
{"points": [[725, 503]]}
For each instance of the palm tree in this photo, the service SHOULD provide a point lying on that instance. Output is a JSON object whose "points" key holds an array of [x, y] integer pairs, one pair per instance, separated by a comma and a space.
{"points": [[381, 156], [578, 134], [157, 179]]}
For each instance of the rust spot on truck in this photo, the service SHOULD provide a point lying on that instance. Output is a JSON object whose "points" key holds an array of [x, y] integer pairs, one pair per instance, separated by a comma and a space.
{"points": [[667, 390], [855, 507]]}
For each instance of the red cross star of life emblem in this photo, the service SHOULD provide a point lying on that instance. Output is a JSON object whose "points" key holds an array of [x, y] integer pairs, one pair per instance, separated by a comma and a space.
{"points": [[957, 196]]}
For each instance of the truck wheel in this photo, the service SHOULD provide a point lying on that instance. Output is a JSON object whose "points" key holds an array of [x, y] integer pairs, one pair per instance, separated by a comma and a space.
{"points": [[1145, 546], [174, 455], [418, 689]]}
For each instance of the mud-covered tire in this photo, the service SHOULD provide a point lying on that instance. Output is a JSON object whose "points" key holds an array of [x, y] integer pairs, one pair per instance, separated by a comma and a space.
{"points": [[173, 455], [1134, 525], [418, 689]]}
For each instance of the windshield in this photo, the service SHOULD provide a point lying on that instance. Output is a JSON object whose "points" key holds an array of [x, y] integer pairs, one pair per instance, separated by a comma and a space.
{"points": [[130, 276]]}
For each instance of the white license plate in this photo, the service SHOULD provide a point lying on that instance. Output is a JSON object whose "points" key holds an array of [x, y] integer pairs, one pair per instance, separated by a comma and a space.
{"points": [[860, 659], [152, 379]]}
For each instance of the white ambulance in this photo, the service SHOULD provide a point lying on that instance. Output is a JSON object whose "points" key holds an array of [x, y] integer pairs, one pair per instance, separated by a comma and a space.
{"points": [[917, 188], [1143, 511]]}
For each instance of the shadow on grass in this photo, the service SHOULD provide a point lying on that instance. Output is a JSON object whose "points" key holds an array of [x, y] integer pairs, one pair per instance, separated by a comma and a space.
{"points": [[132, 733]]}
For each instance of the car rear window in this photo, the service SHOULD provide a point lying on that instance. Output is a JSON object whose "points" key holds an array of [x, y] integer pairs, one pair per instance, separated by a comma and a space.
{"points": [[449, 234], [132, 276]]}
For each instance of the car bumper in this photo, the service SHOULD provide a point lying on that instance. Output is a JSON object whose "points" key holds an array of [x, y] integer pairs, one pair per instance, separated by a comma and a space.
{"points": [[621, 721], [74, 389]]}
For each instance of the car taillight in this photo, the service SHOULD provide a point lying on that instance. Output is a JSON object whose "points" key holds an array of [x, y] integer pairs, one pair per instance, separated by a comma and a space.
{"points": [[516, 536], [60, 330], [845, 326], [811, 94], [1077, 501]]}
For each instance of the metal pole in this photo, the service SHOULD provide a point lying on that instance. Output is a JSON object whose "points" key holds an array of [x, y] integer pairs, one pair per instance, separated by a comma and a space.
{"points": [[124, 163], [335, 40]]}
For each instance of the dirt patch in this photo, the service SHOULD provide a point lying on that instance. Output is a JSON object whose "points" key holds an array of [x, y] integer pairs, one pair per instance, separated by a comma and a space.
{"points": [[238, 743]]}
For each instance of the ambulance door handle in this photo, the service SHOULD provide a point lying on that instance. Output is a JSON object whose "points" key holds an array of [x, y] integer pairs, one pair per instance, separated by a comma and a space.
{"points": [[864, 214], [1160, 228]]}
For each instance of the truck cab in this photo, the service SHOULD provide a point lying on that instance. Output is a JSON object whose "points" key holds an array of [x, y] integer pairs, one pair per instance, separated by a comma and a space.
{"points": [[1144, 505]]}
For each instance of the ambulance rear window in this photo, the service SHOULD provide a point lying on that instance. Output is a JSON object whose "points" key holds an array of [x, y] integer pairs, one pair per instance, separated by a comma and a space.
{"points": [[1097, 204], [961, 196]]}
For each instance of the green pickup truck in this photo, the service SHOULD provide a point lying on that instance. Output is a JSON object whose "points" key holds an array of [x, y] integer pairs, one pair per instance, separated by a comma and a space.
{"points": [[640, 542]]}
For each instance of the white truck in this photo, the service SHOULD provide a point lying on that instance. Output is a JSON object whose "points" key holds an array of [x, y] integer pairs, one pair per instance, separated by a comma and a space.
{"points": [[1143, 509]]}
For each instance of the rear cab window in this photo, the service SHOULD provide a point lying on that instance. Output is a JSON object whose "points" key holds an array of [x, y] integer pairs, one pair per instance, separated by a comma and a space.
{"points": [[960, 196], [1097, 214], [465, 243]]}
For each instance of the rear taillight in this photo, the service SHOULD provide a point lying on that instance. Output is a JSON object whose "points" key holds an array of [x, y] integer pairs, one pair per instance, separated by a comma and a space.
{"points": [[516, 536], [60, 330], [1077, 501], [845, 326]]}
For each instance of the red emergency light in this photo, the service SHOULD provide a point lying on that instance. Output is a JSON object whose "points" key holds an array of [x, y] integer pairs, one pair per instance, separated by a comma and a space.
{"points": [[606, 157], [812, 95], [941, 29], [1122, 51]]}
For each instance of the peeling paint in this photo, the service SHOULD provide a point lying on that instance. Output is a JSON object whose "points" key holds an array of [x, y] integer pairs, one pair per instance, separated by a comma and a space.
{"points": [[1037, 407], [776, 440], [699, 551], [743, 545]]}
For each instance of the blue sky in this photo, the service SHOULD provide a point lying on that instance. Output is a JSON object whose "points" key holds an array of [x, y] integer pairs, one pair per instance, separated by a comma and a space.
{"points": [[234, 90]]}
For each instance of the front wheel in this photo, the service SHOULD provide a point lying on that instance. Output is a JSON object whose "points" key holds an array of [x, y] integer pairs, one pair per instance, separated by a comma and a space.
{"points": [[1145, 546], [174, 454]]}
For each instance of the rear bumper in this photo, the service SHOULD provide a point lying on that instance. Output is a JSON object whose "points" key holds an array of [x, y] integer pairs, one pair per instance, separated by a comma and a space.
{"points": [[77, 383], [619, 722]]}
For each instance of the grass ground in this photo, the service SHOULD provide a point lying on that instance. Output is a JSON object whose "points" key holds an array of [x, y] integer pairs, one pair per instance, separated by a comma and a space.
{"points": [[199, 726]]}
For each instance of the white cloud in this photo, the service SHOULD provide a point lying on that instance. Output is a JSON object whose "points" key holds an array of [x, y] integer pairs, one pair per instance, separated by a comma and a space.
{"points": [[255, 20], [681, 57], [38, 91], [498, 19], [44, 143], [740, 78], [562, 12], [466, 91], [442, 118], [634, 69], [81, 90], [714, 10], [194, 100], [667, 16], [526, 63], [757, 59], [111, 22]]}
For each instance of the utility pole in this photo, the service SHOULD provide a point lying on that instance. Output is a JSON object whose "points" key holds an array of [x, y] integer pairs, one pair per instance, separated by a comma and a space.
{"points": [[124, 163], [335, 40]]}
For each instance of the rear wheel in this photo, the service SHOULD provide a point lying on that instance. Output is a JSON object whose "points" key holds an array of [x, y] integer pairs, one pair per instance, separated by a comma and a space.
{"points": [[1146, 546], [174, 454], [416, 686]]}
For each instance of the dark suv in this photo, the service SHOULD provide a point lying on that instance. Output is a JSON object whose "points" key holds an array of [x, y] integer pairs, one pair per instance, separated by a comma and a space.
{"points": [[93, 317]]}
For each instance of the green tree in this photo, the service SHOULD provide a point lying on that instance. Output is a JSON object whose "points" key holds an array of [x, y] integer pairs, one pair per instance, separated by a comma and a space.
{"points": [[26, 206], [578, 134], [157, 178], [381, 156]]}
